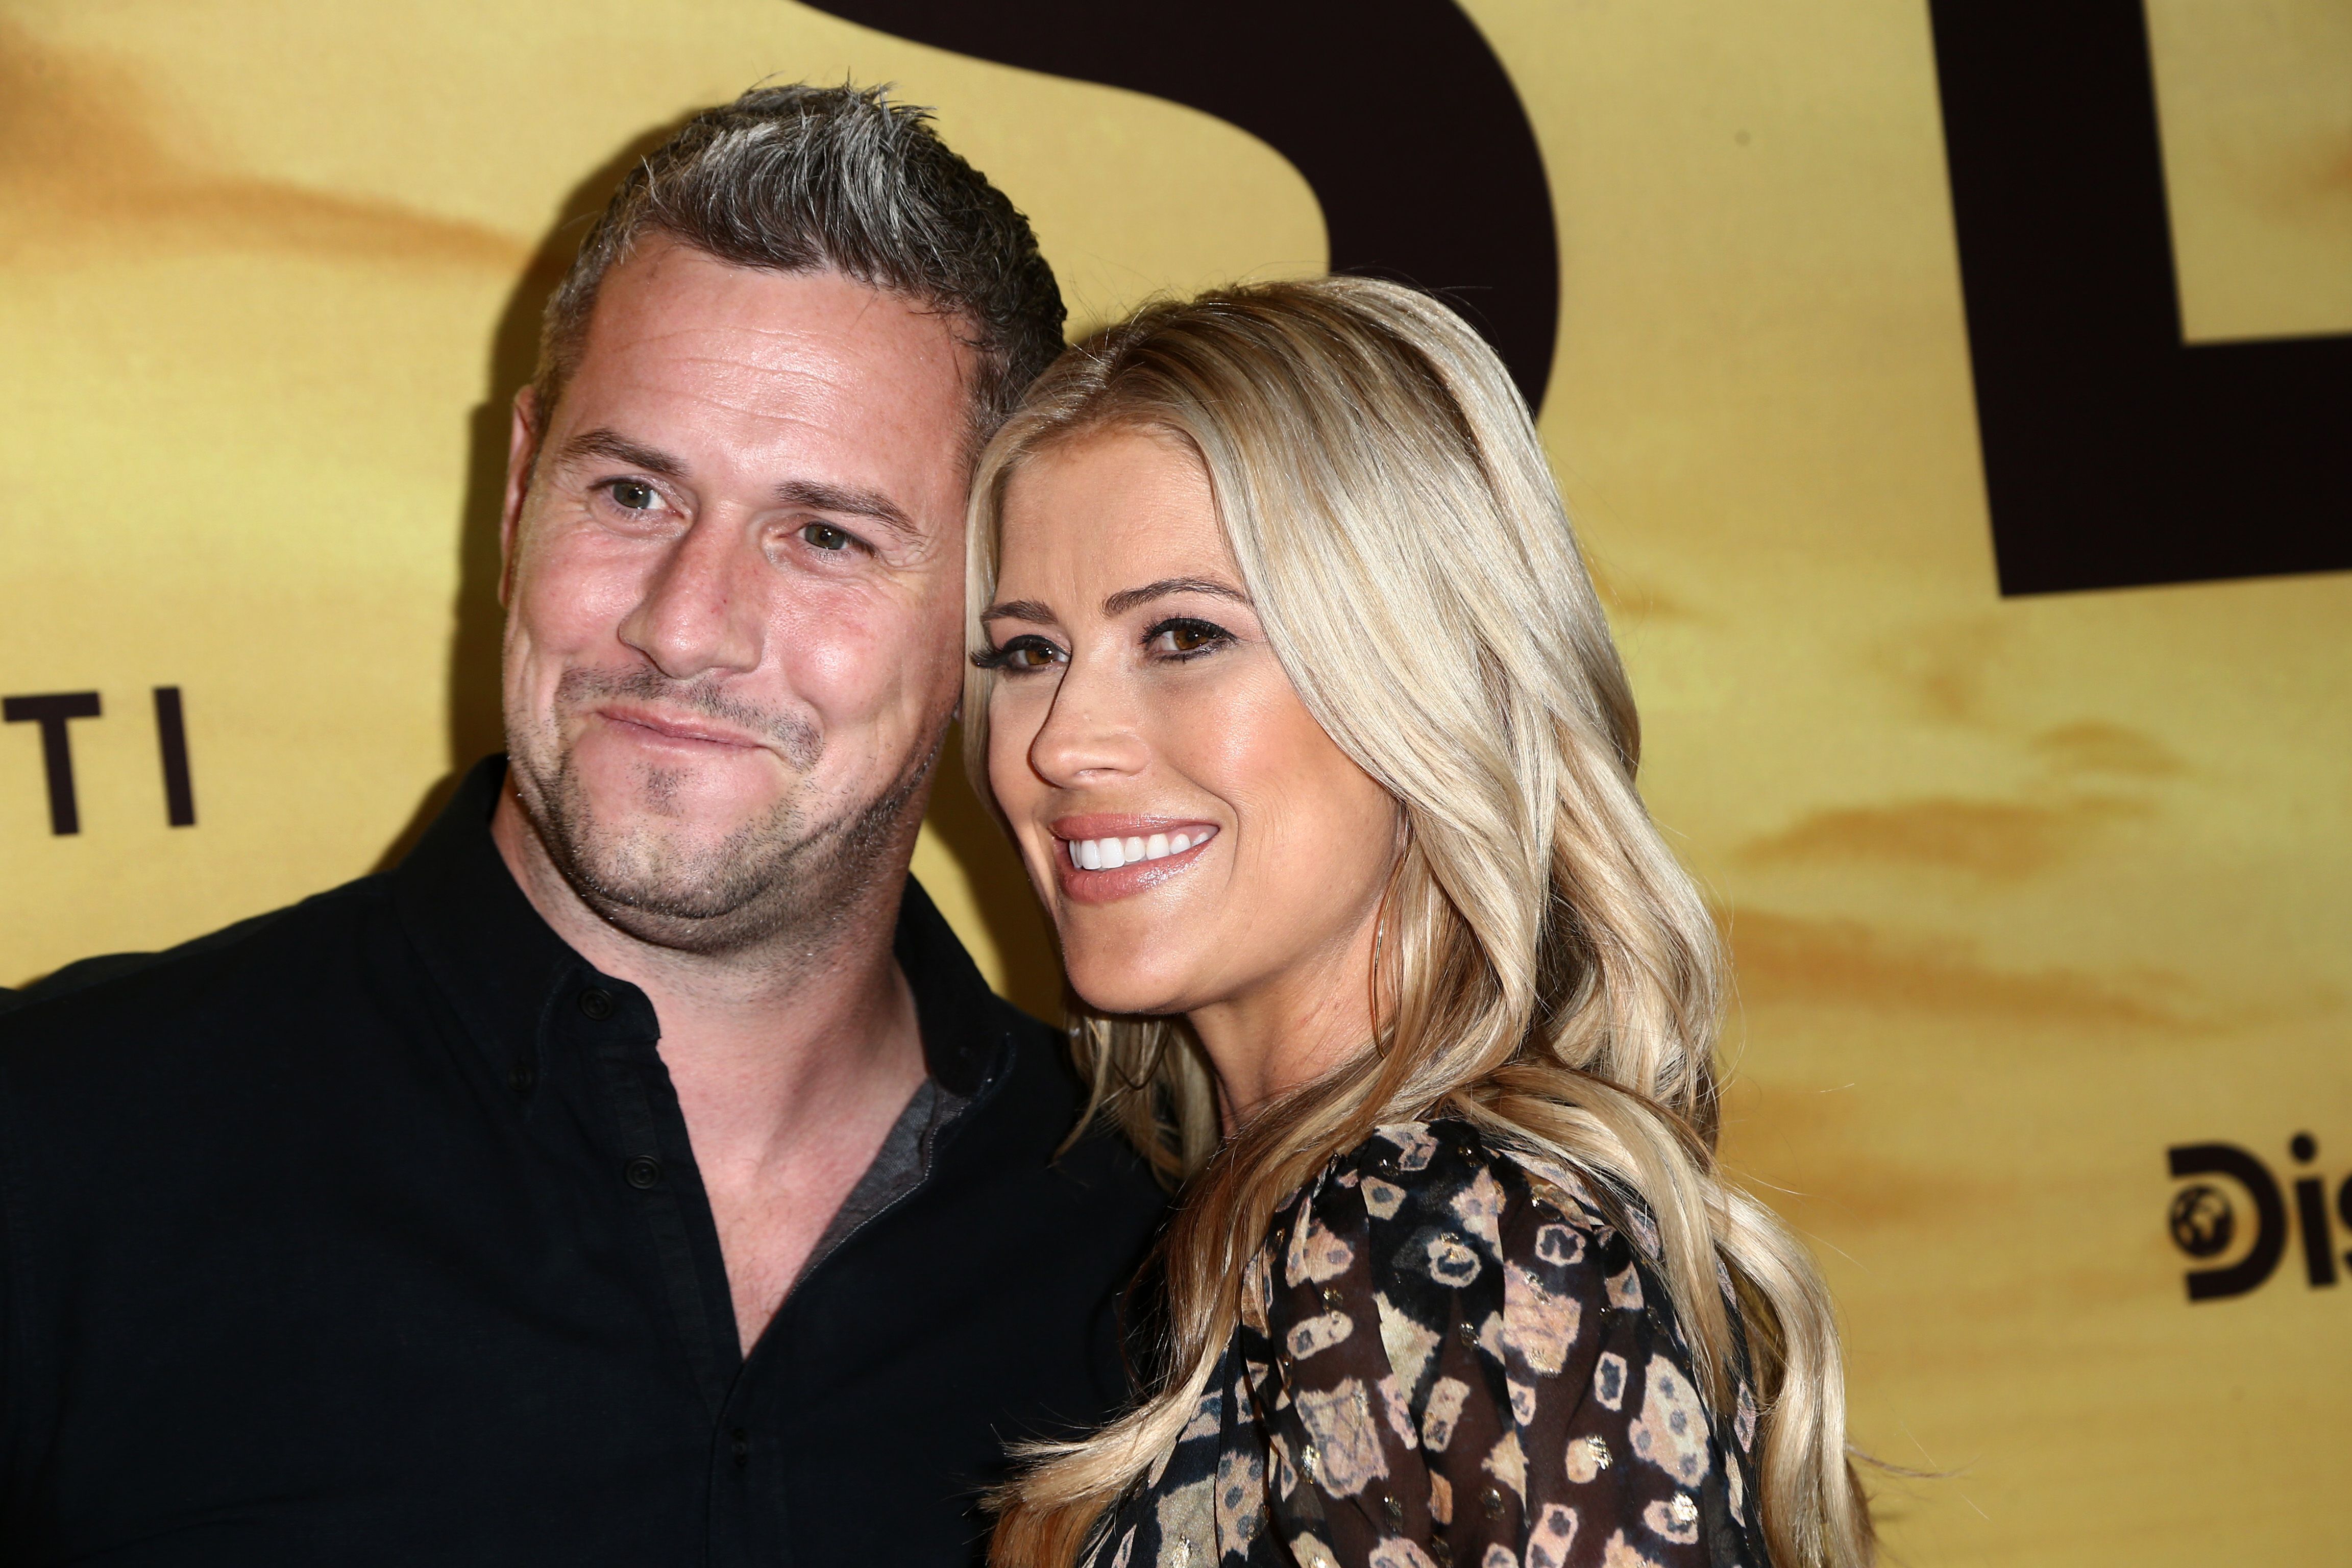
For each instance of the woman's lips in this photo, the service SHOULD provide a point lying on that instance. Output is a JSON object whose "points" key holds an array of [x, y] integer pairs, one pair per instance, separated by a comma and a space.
{"points": [[1099, 858]]}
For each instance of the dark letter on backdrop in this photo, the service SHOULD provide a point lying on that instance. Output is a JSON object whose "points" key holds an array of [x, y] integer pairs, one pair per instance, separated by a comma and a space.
{"points": [[52, 711], [2269, 1218], [2115, 454], [1396, 112]]}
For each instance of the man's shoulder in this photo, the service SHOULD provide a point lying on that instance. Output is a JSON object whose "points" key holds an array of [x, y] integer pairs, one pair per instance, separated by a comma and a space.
{"points": [[282, 953], [1039, 1084], [1040, 1102]]}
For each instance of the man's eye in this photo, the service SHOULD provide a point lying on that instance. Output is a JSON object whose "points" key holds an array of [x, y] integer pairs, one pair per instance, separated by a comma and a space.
{"points": [[824, 536], [634, 495]]}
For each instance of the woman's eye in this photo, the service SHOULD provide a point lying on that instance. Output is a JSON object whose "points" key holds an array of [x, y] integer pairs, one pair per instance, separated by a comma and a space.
{"points": [[634, 495], [824, 536], [1185, 637], [1022, 654]]}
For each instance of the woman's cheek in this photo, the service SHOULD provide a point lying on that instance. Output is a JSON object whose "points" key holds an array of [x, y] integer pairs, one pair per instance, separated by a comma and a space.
{"points": [[1010, 734], [1207, 727]]}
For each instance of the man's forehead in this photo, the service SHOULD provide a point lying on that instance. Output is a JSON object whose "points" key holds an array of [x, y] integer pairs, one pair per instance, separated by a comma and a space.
{"points": [[684, 343], [669, 292]]}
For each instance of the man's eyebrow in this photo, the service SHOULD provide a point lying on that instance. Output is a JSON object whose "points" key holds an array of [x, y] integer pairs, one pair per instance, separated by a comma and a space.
{"points": [[612, 445], [1125, 599], [1028, 610], [849, 501]]}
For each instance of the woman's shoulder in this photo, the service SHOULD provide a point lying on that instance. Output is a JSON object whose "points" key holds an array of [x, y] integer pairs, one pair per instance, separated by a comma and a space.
{"points": [[1444, 1299], [1442, 1216], [1449, 1175]]}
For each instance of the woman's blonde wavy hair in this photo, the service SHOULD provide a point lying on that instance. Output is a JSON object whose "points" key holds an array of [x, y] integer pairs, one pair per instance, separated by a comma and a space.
{"points": [[1544, 968]]}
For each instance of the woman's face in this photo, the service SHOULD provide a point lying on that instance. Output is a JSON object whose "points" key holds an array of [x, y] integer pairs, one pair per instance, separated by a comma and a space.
{"points": [[1203, 844]]}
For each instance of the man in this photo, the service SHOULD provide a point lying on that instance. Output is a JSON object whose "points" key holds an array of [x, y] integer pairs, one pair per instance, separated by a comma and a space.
{"points": [[641, 1173]]}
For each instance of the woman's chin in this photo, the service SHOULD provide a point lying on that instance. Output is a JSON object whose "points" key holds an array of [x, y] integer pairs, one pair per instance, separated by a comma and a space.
{"points": [[1112, 987]]}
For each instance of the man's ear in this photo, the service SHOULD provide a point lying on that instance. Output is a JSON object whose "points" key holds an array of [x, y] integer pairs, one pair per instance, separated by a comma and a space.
{"points": [[522, 454]]}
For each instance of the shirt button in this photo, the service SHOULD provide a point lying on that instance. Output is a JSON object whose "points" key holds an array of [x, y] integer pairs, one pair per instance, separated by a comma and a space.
{"points": [[1494, 1503], [742, 1448], [643, 1172], [520, 1078], [596, 1003]]}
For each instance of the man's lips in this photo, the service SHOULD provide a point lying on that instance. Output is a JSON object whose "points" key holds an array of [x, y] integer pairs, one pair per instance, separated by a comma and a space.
{"points": [[679, 728]]}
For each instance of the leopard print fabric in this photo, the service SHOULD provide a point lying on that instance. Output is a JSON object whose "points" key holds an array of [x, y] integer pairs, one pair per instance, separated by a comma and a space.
{"points": [[1449, 1355]]}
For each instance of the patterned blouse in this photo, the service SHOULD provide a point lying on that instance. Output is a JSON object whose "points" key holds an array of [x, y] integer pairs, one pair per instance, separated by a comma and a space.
{"points": [[1449, 1355]]}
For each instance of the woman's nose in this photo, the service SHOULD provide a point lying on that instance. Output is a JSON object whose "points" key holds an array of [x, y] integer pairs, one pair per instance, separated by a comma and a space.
{"points": [[701, 611], [1091, 732]]}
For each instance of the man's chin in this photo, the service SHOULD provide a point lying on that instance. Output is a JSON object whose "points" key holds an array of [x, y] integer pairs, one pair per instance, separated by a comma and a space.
{"points": [[697, 801], [675, 862], [672, 862], [667, 884]]}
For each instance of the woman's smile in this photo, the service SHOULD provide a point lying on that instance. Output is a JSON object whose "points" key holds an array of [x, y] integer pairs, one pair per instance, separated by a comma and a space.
{"points": [[1105, 857]]}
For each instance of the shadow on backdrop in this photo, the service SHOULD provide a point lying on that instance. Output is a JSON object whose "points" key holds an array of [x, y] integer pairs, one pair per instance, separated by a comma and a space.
{"points": [[1001, 894], [958, 820], [475, 728]]}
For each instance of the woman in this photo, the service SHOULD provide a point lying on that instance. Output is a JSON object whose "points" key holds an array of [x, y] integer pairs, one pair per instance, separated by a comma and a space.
{"points": [[1292, 687]]}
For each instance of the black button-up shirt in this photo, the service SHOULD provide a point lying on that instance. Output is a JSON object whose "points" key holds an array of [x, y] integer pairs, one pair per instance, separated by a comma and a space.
{"points": [[369, 1232]]}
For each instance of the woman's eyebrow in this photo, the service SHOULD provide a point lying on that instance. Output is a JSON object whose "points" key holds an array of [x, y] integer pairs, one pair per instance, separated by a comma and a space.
{"points": [[1125, 599], [1028, 610]]}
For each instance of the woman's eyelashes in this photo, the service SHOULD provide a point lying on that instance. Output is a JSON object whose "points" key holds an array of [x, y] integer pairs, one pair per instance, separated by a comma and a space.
{"points": [[1180, 638], [1019, 655], [1176, 640]]}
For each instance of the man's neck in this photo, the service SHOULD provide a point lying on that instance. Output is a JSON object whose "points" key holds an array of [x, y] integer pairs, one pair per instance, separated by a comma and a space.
{"points": [[791, 1058], [767, 1044]]}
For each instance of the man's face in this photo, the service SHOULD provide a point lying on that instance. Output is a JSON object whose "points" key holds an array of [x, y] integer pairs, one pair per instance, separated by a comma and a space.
{"points": [[734, 578]]}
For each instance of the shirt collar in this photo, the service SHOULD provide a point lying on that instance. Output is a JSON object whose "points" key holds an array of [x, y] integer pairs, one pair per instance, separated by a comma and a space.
{"points": [[500, 965]]}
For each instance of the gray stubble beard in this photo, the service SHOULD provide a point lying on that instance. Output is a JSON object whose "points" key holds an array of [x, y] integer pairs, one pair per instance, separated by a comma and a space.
{"points": [[784, 881]]}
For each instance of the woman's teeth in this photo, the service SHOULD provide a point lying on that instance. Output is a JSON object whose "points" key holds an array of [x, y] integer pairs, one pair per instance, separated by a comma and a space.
{"points": [[1111, 854]]}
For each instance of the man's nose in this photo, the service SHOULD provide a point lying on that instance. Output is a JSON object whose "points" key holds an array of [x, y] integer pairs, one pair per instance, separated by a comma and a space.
{"points": [[701, 611]]}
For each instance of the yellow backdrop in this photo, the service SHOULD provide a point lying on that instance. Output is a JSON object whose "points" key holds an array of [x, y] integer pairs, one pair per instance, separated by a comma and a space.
{"points": [[2025, 892]]}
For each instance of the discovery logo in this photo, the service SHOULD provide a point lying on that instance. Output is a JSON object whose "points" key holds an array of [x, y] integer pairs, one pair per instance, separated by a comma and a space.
{"points": [[2207, 1222]]}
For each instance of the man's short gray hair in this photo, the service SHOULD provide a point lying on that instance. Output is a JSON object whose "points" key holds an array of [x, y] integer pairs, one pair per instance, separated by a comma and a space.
{"points": [[810, 179]]}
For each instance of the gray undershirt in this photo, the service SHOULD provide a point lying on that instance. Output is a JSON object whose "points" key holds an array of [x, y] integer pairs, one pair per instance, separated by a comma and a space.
{"points": [[898, 1167]]}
